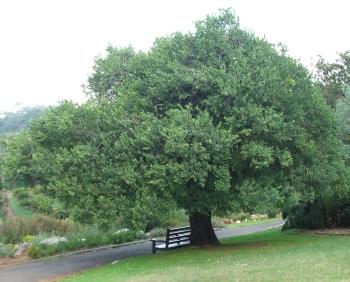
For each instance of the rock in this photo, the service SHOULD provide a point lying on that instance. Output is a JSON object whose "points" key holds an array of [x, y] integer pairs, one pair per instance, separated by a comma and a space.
{"points": [[54, 240], [21, 248], [121, 231]]}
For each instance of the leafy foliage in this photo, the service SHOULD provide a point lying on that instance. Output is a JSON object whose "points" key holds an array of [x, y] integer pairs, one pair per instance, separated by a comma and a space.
{"points": [[212, 121], [227, 118], [334, 77]]}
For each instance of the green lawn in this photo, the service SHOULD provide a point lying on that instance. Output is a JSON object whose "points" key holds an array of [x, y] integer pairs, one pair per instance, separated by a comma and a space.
{"points": [[265, 256], [18, 209]]}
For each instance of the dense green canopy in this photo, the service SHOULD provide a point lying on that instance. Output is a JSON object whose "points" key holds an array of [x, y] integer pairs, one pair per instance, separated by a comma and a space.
{"points": [[210, 121]]}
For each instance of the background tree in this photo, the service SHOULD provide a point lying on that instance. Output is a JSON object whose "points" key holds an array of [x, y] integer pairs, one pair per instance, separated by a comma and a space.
{"points": [[333, 77], [14, 122], [19, 168]]}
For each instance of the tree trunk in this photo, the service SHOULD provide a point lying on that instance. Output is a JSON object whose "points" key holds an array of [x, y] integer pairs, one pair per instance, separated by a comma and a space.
{"points": [[202, 231]]}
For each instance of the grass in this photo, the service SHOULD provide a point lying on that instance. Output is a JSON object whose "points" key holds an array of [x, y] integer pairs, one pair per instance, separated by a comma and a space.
{"points": [[251, 222], [17, 209], [265, 256]]}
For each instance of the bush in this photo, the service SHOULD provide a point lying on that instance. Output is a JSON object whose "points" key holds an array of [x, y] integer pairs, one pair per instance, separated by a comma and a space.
{"points": [[345, 221], [14, 229], [3, 204], [272, 213], [6, 250], [28, 238], [36, 200], [216, 222], [87, 236], [157, 232], [322, 213], [60, 213], [41, 250], [21, 194], [141, 235], [239, 216], [41, 204], [122, 236]]}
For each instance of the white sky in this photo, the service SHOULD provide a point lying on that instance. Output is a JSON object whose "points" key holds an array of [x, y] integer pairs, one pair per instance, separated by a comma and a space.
{"points": [[47, 47]]}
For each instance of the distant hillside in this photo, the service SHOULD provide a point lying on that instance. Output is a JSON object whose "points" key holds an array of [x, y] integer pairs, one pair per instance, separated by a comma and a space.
{"points": [[14, 122]]}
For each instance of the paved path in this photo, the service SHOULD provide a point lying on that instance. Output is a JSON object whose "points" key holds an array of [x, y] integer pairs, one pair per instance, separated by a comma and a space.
{"points": [[41, 270]]}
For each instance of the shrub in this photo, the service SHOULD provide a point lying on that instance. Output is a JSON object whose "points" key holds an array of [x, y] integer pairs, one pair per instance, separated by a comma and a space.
{"points": [[42, 250], [60, 213], [6, 250], [216, 222], [322, 213], [21, 194], [346, 217], [177, 217], [28, 238], [157, 232], [14, 229], [41, 204], [141, 235], [34, 251], [3, 204], [123, 236], [272, 213], [240, 216], [87, 236], [36, 200]]}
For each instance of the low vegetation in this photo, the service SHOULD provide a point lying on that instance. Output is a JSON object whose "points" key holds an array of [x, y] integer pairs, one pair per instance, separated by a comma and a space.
{"points": [[81, 239], [265, 256], [16, 228], [26, 226], [36, 200], [18, 209], [36, 228]]}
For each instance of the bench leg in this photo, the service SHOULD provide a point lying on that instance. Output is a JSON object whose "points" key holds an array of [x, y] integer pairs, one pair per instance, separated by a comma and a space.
{"points": [[153, 247]]}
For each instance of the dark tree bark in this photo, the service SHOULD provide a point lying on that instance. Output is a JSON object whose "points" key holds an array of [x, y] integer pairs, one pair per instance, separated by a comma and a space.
{"points": [[202, 231]]}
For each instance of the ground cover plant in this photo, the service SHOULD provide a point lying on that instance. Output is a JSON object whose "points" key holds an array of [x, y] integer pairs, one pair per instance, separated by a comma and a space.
{"points": [[265, 256]]}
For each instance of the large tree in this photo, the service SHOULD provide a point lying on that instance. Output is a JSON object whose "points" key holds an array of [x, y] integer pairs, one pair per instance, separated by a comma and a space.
{"points": [[212, 115]]}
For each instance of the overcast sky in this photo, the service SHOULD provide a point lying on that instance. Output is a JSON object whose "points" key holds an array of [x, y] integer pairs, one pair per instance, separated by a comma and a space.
{"points": [[47, 47]]}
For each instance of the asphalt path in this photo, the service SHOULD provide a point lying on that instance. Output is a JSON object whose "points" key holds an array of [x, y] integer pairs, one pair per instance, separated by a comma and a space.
{"points": [[46, 269]]}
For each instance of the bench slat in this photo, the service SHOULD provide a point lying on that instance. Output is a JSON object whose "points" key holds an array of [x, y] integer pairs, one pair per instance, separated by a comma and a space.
{"points": [[180, 228], [179, 240], [179, 232], [175, 238], [171, 246]]}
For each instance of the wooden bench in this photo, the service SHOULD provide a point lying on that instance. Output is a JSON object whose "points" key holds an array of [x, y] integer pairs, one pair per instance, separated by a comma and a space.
{"points": [[175, 238]]}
